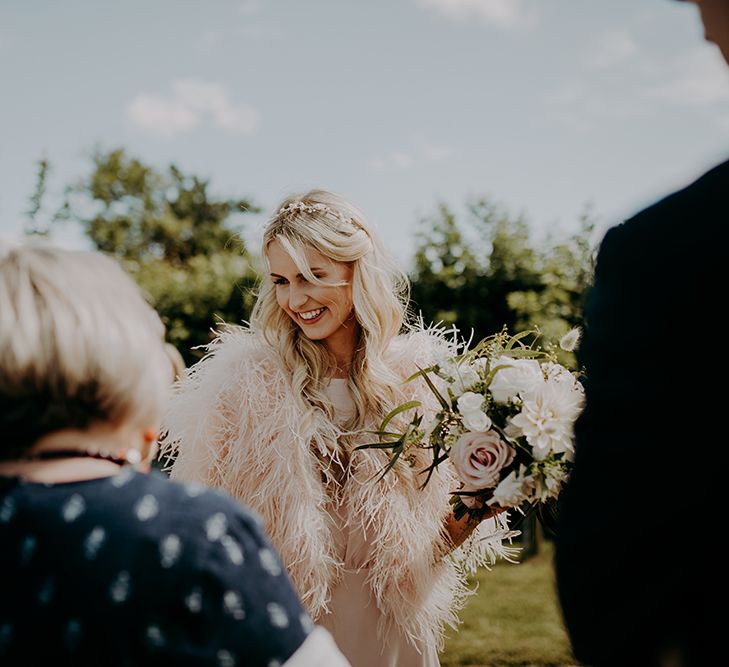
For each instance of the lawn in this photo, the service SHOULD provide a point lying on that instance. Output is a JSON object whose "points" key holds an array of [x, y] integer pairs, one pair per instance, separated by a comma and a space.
{"points": [[513, 620]]}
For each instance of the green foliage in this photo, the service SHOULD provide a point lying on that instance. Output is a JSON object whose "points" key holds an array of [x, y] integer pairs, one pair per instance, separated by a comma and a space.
{"points": [[37, 223], [486, 272], [178, 242]]}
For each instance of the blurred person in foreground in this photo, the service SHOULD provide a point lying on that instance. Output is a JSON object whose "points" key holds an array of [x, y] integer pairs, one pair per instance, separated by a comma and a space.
{"points": [[638, 573], [102, 562]]}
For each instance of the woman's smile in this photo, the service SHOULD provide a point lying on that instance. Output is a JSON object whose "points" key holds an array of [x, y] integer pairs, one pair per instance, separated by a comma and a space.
{"points": [[309, 317]]}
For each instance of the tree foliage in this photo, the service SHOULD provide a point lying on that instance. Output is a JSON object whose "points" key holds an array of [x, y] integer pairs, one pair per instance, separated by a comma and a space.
{"points": [[37, 222], [180, 243], [486, 271]]}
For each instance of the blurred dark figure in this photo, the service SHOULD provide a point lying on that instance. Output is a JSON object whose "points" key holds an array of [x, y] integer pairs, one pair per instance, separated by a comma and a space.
{"points": [[639, 577], [102, 562]]}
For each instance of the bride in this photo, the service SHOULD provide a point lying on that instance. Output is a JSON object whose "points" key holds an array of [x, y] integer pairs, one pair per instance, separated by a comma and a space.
{"points": [[273, 413]]}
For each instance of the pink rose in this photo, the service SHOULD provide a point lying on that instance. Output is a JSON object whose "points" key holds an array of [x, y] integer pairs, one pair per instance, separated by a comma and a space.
{"points": [[479, 458]]}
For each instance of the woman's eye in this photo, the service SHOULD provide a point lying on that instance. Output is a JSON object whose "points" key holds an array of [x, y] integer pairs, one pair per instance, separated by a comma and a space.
{"points": [[279, 281]]}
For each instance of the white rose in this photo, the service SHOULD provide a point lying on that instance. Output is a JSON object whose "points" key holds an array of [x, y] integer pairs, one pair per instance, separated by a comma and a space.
{"points": [[513, 490], [447, 369], [477, 421], [521, 375], [466, 377], [460, 376], [558, 373], [478, 459], [470, 402]]}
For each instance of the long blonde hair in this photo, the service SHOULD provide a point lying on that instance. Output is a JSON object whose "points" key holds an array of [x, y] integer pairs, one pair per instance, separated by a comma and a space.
{"points": [[380, 290]]}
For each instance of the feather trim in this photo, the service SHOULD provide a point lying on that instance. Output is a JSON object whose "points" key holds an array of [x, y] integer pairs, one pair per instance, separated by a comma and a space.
{"points": [[233, 424]]}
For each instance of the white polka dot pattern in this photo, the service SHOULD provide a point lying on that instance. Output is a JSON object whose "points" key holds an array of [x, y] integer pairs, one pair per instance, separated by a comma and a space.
{"points": [[194, 601], [216, 526], [277, 615], [120, 587], [146, 508], [225, 658], [194, 489], [133, 559], [269, 562], [123, 478], [27, 549], [170, 548], [93, 542], [154, 636], [7, 509], [233, 605], [307, 625], [73, 633], [46, 591], [73, 508], [232, 548]]}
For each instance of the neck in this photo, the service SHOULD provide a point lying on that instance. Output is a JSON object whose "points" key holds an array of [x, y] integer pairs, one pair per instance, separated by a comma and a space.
{"points": [[341, 345], [98, 437], [107, 438]]}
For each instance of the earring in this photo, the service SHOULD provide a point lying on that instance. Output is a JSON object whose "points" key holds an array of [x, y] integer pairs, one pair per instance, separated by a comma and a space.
{"points": [[150, 448]]}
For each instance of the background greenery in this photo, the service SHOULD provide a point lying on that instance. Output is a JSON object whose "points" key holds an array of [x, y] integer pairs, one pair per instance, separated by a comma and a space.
{"points": [[513, 620], [479, 271]]}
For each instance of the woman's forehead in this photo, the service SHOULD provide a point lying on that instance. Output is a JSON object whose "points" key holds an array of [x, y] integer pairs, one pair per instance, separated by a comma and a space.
{"points": [[278, 255]]}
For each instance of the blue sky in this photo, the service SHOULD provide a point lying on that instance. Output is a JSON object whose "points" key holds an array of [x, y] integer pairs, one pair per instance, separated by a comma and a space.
{"points": [[544, 105]]}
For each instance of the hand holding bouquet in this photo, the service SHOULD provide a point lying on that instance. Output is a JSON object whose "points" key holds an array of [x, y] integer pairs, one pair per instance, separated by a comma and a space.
{"points": [[506, 422]]}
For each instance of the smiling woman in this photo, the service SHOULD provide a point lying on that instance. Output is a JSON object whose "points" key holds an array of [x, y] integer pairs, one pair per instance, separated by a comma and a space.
{"points": [[316, 293], [274, 413]]}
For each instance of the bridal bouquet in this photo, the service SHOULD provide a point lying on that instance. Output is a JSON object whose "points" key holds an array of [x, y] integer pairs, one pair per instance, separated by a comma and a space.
{"points": [[505, 423]]}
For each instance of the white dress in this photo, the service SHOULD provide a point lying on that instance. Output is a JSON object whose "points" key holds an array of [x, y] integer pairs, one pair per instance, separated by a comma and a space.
{"points": [[354, 615]]}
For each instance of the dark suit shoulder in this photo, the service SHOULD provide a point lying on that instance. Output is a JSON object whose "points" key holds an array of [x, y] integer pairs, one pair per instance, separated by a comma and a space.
{"points": [[687, 227], [701, 206]]}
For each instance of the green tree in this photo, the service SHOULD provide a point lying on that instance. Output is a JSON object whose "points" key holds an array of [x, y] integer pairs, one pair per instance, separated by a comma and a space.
{"points": [[181, 244], [486, 272], [37, 222]]}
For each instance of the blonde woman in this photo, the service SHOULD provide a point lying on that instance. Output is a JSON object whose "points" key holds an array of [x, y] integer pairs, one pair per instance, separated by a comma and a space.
{"points": [[104, 563], [273, 413]]}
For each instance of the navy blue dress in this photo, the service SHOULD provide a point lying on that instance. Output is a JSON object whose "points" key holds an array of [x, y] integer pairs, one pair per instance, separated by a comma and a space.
{"points": [[137, 570]]}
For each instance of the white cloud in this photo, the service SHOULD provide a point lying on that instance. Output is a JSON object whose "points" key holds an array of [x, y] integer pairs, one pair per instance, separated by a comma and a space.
{"points": [[422, 152], [161, 116], [184, 108], [250, 7], [701, 80], [397, 159], [613, 48], [499, 13]]}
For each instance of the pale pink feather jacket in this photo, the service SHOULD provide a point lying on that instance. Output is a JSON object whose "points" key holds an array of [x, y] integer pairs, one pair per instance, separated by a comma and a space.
{"points": [[233, 424]]}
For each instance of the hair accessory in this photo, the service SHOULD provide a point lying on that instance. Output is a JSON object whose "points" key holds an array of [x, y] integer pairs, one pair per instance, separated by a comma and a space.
{"points": [[320, 208], [309, 208]]}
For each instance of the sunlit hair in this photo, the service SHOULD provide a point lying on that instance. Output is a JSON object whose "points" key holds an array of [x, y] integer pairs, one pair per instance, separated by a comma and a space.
{"points": [[79, 346], [329, 224]]}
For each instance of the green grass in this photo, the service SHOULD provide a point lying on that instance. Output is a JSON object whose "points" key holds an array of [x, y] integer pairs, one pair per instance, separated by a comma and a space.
{"points": [[513, 620]]}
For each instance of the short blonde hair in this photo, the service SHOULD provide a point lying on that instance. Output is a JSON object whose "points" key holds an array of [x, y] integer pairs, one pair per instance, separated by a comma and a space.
{"points": [[78, 345]]}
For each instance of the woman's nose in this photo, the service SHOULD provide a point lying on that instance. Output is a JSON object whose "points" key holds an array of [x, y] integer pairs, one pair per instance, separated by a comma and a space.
{"points": [[297, 297]]}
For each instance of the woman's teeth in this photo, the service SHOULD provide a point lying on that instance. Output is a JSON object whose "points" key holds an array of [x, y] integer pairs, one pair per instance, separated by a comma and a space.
{"points": [[310, 315]]}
